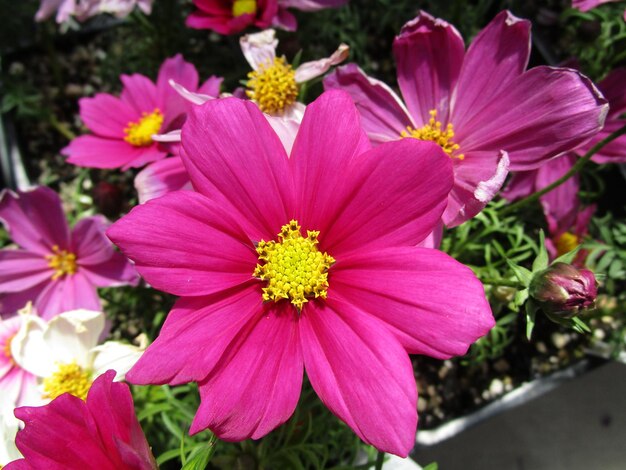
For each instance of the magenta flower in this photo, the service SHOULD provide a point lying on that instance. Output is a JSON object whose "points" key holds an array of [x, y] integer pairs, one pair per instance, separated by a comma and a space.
{"points": [[297, 262], [233, 16], [123, 127], [71, 434], [56, 269], [479, 105]]}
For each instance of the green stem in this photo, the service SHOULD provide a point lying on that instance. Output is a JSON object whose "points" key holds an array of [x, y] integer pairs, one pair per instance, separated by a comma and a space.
{"points": [[502, 282], [60, 127], [575, 169], [380, 458]]}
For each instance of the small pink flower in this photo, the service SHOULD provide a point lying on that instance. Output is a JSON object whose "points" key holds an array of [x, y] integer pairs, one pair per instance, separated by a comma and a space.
{"points": [[71, 434], [56, 269], [233, 16], [481, 105], [586, 5], [247, 325], [123, 127], [84, 9]]}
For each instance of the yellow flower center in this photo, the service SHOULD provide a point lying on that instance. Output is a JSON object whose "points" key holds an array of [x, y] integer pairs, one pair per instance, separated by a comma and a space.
{"points": [[242, 7], [293, 267], [7, 349], [434, 132], [140, 133], [566, 243], [273, 86], [68, 378], [62, 261]]}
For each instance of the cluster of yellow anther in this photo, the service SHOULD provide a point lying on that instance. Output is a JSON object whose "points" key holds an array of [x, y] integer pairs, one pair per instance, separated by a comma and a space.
{"points": [[140, 133], [243, 7], [293, 267], [62, 261], [566, 243], [273, 86], [6, 349], [68, 378], [434, 132]]}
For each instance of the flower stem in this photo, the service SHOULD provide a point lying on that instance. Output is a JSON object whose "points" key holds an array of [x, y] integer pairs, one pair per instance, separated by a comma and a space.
{"points": [[575, 169], [380, 458]]}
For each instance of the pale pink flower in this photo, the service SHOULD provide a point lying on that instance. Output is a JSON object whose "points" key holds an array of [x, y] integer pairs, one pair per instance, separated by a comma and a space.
{"points": [[84, 9], [55, 268], [366, 297], [586, 5], [123, 127], [481, 105], [101, 432]]}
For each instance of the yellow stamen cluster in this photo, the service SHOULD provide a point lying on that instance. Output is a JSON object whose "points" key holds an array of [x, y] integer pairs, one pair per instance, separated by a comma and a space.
{"points": [[566, 243], [62, 261], [7, 349], [293, 267], [68, 378], [434, 132], [243, 7], [273, 86], [139, 134]]}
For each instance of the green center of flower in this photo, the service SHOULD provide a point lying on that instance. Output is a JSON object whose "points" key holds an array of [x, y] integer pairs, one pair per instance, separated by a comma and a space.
{"points": [[435, 132], [273, 86], [566, 243], [139, 133], [243, 7], [293, 267], [68, 378], [62, 261]]}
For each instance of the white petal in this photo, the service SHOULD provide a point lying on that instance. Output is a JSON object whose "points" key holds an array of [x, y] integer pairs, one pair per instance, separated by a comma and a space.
{"points": [[29, 350], [315, 68], [117, 356], [259, 48]]}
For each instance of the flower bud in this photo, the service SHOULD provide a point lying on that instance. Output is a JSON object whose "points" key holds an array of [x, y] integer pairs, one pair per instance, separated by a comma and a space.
{"points": [[563, 290]]}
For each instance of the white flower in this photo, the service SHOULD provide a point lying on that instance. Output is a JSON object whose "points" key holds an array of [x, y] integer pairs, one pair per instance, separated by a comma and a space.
{"points": [[64, 353], [8, 451]]}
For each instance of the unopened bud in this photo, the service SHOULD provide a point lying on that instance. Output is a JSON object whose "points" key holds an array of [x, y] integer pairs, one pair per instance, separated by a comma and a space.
{"points": [[563, 290]]}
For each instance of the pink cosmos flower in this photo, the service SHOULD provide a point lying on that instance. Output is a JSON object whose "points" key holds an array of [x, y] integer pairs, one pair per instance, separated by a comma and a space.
{"points": [[233, 16], [306, 261], [84, 9], [586, 5], [123, 127], [565, 238], [17, 386], [480, 105], [56, 269], [71, 434]]}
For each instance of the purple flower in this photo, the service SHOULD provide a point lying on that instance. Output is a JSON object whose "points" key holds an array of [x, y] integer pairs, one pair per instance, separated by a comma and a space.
{"points": [[55, 268]]}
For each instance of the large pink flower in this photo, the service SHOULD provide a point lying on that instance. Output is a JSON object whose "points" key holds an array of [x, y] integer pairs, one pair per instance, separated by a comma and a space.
{"points": [[342, 291], [123, 127], [56, 269], [480, 105], [71, 434], [233, 16]]}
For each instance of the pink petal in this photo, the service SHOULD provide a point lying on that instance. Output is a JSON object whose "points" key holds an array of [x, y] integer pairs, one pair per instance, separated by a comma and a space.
{"points": [[222, 318], [259, 48], [391, 195], [186, 244], [256, 385], [613, 152], [433, 304], [34, 219], [312, 5], [362, 373], [542, 113], [69, 292], [160, 178], [140, 93], [521, 184], [477, 179], [168, 100], [562, 202], [20, 270], [89, 242], [310, 70], [96, 152], [613, 89], [429, 53], [211, 86], [240, 163], [116, 271], [383, 115], [497, 55], [11, 303], [107, 115]]}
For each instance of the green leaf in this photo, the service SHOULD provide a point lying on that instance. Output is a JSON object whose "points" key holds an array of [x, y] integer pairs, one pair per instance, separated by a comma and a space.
{"points": [[580, 325], [521, 296], [541, 261], [431, 466], [523, 275], [531, 311], [200, 456], [568, 257]]}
